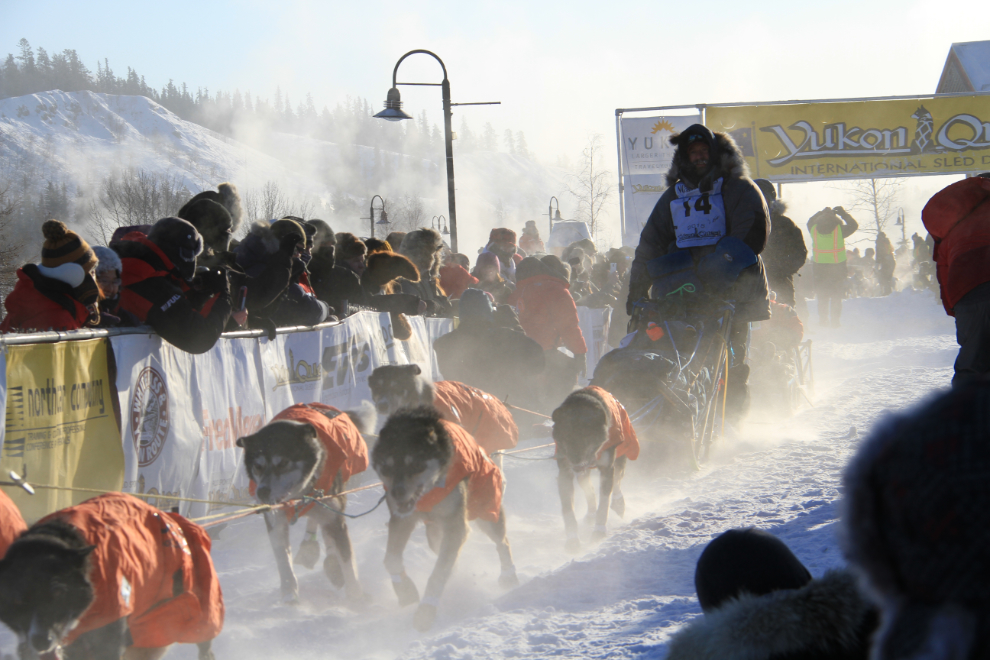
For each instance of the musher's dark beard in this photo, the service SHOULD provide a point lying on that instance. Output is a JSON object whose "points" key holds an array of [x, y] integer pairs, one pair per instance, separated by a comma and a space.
{"points": [[700, 169]]}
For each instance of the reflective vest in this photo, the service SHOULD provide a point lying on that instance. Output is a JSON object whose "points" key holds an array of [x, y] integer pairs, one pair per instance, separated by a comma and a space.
{"points": [[829, 248]]}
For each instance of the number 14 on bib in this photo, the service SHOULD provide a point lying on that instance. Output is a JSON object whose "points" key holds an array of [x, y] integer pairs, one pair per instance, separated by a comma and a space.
{"points": [[699, 217]]}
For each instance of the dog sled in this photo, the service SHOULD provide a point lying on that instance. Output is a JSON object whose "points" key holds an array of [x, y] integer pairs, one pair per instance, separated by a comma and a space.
{"points": [[673, 372]]}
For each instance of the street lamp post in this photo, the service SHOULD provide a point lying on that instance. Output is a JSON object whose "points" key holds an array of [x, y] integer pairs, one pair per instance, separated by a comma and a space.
{"points": [[393, 112], [371, 214], [550, 214], [440, 224]]}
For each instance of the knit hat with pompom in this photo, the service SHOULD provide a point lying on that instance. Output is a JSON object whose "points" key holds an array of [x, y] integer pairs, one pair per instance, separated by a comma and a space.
{"points": [[64, 246]]}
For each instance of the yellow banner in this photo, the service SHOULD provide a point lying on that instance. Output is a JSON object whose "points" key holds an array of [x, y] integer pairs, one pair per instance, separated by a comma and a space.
{"points": [[61, 427], [860, 139]]}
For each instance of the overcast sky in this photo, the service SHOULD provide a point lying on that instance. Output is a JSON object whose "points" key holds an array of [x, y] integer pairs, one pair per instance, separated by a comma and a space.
{"points": [[560, 69]]}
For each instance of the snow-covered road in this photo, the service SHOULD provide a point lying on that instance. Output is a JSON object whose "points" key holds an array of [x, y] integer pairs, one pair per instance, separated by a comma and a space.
{"points": [[628, 595]]}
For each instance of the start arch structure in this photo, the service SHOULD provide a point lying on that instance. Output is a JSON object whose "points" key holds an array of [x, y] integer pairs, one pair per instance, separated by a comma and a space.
{"points": [[803, 141]]}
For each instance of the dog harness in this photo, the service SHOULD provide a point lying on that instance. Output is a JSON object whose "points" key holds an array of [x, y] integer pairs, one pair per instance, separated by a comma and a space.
{"points": [[347, 453], [486, 418], [621, 433], [699, 217], [150, 566], [484, 479], [11, 522]]}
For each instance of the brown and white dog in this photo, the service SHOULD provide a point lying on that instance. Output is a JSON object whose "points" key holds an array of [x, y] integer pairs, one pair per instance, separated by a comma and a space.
{"points": [[592, 430], [487, 419], [309, 450], [434, 471], [110, 578]]}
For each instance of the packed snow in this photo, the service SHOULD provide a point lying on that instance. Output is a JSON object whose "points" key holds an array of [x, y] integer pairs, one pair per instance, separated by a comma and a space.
{"points": [[627, 596]]}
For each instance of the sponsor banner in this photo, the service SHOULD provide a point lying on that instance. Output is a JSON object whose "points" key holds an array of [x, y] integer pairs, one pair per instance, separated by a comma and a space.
{"points": [[61, 426], [161, 433], [436, 328], [594, 324], [860, 139], [229, 406], [646, 157]]}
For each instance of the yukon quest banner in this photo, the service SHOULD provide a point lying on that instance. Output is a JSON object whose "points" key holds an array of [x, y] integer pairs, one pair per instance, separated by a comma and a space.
{"points": [[646, 157], [860, 139], [60, 427]]}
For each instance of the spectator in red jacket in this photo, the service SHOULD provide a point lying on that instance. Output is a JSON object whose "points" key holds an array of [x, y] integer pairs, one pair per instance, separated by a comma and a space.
{"points": [[548, 315], [158, 290], [61, 293], [455, 277], [958, 218]]}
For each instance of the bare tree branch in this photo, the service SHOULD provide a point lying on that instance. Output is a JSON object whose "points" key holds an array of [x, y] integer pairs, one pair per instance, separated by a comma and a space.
{"points": [[592, 186]]}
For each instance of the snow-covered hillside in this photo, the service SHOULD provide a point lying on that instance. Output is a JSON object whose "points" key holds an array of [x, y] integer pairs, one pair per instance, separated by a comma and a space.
{"points": [[80, 137], [625, 597]]}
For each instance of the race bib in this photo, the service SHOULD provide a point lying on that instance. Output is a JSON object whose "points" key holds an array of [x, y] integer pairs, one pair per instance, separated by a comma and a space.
{"points": [[699, 217]]}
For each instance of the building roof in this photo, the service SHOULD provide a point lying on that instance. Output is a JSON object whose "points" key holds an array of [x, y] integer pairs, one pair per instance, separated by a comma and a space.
{"points": [[967, 68]]}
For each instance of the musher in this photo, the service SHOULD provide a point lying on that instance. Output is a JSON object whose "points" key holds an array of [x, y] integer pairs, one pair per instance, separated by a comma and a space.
{"points": [[710, 197]]}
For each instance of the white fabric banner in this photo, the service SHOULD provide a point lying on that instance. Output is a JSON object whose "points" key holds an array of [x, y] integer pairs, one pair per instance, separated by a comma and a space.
{"points": [[161, 433], [646, 157]]}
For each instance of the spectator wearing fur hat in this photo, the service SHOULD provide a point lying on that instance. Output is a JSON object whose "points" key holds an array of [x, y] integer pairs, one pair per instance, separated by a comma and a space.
{"points": [[423, 247], [268, 257], [502, 242], [60, 293], [548, 315], [216, 216], [916, 526], [759, 601], [157, 286], [299, 305], [530, 241], [488, 271], [350, 252], [454, 276]]}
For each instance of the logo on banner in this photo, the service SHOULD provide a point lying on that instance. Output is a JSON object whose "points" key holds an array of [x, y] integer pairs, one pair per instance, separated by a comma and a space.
{"points": [[296, 372], [959, 133], [150, 416]]}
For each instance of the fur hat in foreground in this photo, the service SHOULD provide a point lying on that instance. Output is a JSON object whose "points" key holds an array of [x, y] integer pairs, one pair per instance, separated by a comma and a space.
{"points": [[423, 247], [916, 525], [225, 195], [385, 267], [826, 618]]}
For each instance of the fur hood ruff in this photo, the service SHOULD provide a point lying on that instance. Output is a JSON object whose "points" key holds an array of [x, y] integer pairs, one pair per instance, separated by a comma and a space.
{"points": [[826, 615], [423, 246], [729, 163]]}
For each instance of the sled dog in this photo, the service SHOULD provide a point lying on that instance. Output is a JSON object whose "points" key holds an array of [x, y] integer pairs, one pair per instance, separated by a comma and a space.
{"points": [[433, 471], [486, 418], [592, 430], [309, 451], [110, 578]]}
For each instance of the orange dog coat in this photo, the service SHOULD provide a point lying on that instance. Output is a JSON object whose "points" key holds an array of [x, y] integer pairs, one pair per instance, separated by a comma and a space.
{"points": [[347, 452], [150, 566], [484, 478], [482, 415], [621, 433]]}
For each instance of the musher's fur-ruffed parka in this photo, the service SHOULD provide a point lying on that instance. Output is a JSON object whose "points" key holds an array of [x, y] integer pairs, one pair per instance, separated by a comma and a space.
{"points": [[747, 218], [826, 619]]}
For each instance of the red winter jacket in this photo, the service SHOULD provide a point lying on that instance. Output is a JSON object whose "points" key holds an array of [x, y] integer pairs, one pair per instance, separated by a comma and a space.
{"points": [[150, 566], [11, 523], [153, 291], [481, 414], [958, 218], [484, 479], [40, 303], [347, 452], [548, 314], [455, 280]]}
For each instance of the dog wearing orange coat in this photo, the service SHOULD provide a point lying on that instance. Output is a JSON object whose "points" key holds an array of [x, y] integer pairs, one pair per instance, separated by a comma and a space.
{"points": [[110, 578]]}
